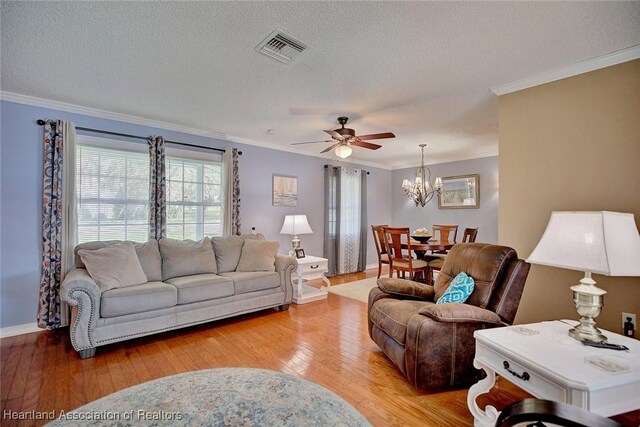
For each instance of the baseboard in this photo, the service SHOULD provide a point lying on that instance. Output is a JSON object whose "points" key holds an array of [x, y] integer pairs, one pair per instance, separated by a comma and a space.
{"points": [[370, 266], [26, 328]]}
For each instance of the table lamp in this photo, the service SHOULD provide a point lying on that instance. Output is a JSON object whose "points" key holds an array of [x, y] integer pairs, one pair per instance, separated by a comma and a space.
{"points": [[295, 224], [594, 242]]}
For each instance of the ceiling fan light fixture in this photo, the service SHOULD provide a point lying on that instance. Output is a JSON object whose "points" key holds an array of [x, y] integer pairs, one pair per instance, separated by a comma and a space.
{"points": [[343, 151]]}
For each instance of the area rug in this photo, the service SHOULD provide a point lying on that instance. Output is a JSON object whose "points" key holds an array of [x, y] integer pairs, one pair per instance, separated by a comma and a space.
{"points": [[219, 397], [358, 290]]}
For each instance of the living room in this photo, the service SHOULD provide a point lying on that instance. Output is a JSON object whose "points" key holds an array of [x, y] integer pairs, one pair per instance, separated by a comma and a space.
{"points": [[538, 99]]}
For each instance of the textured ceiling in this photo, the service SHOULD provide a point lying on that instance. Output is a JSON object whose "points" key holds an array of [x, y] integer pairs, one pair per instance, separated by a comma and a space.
{"points": [[419, 69]]}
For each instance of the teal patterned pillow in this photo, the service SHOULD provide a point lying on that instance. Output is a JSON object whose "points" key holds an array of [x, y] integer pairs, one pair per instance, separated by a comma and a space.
{"points": [[459, 289]]}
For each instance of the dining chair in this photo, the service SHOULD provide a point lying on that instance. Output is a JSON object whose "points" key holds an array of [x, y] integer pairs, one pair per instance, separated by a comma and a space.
{"points": [[381, 250], [394, 240], [443, 232], [468, 236]]}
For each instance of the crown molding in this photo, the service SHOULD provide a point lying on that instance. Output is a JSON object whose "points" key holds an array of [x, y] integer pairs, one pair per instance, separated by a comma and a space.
{"points": [[614, 58], [126, 118], [109, 115], [26, 328]]}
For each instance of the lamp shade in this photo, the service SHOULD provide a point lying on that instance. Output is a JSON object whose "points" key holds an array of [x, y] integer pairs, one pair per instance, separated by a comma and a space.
{"points": [[296, 224], [598, 242]]}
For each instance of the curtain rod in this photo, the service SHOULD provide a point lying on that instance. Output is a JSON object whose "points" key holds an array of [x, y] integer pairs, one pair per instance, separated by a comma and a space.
{"points": [[41, 122], [326, 166]]}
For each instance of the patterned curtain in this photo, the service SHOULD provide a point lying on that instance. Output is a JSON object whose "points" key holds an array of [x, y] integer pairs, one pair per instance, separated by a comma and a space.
{"points": [[157, 189], [345, 243], [58, 220], [231, 225]]}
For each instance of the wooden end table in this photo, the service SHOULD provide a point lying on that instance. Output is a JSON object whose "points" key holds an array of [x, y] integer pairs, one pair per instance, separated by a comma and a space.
{"points": [[310, 267], [544, 360]]}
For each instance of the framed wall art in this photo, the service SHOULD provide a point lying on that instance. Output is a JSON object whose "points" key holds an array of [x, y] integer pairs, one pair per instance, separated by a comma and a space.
{"points": [[285, 190], [460, 192]]}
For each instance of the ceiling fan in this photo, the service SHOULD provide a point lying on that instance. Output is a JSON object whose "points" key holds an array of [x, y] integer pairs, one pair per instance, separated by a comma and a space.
{"points": [[346, 138]]}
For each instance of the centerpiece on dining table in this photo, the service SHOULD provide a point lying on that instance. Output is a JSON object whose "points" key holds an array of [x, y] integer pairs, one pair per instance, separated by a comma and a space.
{"points": [[422, 235]]}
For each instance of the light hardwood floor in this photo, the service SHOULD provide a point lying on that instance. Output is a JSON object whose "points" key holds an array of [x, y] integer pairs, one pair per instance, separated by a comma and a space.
{"points": [[325, 342]]}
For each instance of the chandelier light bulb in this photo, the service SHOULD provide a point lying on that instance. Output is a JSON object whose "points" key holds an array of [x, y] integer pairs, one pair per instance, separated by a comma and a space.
{"points": [[343, 151]]}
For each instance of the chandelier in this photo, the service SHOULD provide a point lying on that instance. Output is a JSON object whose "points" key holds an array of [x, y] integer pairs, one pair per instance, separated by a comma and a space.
{"points": [[421, 191]]}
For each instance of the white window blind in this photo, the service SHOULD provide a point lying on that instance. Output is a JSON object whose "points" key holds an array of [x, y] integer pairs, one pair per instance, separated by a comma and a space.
{"points": [[194, 197], [112, 194]]}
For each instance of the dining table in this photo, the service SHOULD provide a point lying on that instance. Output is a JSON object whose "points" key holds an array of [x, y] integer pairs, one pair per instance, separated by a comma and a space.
{"points": [[421, 248]]}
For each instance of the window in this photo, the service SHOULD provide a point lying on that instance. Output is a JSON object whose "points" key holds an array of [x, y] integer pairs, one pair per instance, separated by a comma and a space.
{"points": [[112, 179], [194, 197], [112, 194]]}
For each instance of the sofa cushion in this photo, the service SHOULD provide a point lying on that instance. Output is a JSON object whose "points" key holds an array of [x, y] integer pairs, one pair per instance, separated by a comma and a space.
{"points": [[258, 255], [245, 282], [392, 316], [227, 250], [186, 257], [114, 266], [201, 287], [138, 298], [482, 261], [148, 254]]}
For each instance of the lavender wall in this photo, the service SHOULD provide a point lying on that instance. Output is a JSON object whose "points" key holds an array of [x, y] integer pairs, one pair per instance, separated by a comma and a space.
{"points": [[258, 166], [405, 213], [21, 192]]}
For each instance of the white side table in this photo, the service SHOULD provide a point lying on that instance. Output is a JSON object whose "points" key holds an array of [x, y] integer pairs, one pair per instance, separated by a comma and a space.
{"points": [[544, 360], [310, 267]]}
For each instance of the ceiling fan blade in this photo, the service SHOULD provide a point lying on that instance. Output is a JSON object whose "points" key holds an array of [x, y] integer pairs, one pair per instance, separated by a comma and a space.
{"points": [[330, 148], [310, 142], [367, 145], [376, 136], [334, 135]]}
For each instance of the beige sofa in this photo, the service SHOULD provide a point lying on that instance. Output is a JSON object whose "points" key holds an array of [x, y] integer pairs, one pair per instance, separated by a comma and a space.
{"points": [[187, 283]]}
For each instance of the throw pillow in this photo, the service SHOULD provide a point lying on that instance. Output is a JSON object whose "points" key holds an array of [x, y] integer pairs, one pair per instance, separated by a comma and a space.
{"points": [[148, 254], [228, 250], [459, 289], [258, 255], [186, 257], [114, 266]]}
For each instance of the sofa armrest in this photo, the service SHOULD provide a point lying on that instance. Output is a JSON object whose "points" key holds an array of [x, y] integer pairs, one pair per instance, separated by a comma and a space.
{"points": [[459, 313], [81, 291], [406, 288], [285, 266]]}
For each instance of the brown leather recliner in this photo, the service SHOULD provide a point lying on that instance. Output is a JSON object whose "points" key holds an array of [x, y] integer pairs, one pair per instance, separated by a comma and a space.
{"points": [[432, 344]]}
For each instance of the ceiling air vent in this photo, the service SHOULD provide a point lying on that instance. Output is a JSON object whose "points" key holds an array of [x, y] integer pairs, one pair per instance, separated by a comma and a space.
{"points": [[281, 46]]}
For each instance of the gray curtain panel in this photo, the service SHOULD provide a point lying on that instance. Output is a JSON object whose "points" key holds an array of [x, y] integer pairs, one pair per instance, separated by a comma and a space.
{"points": [[331, 215], [362, 255], [345, 239], [157, 189]]}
